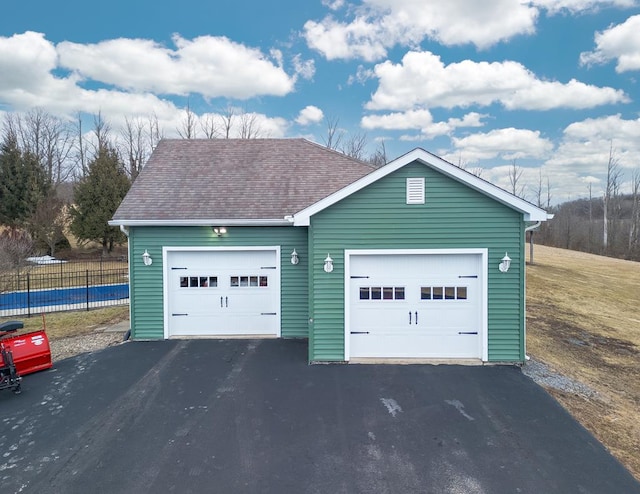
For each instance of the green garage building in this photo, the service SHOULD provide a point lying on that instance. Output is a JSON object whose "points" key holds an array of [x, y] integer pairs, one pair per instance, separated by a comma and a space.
{"points": [[417, 259]]}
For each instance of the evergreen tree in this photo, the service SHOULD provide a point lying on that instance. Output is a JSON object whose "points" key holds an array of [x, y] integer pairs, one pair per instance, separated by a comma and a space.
{"points": [[23, 183], [97, 196]]}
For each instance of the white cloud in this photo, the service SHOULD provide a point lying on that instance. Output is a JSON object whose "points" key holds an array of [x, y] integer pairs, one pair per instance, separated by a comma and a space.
{"points": [[207, 65], [310, 115], [621, 43], [505, 144], [585, 145], [378, 25], [422, 79], [576, 6], [420, 120], [304, 68], [29, 64], [333, 4]]}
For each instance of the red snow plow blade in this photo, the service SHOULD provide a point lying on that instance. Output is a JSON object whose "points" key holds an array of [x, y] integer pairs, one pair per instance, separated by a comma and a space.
{"points": [[31, 352]]}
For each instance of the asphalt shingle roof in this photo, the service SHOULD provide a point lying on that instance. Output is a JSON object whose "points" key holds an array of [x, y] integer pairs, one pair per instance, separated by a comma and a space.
{"points": [[260, 179]]}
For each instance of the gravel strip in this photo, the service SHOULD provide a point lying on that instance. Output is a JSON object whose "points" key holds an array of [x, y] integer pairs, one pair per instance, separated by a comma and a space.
{"points": [[548, 378], [75, 345]]}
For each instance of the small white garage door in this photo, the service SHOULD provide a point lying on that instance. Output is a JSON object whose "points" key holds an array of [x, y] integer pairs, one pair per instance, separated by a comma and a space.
{"points": [[416, 306], [222, 292]]}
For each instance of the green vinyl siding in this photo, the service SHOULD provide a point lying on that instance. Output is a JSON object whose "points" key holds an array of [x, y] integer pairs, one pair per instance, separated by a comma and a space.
{"points": [[146, 291], [454, 216]]}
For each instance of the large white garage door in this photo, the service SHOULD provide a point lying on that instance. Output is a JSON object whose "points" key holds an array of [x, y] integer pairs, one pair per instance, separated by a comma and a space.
{"points": [[217, 293], [415, 306]]}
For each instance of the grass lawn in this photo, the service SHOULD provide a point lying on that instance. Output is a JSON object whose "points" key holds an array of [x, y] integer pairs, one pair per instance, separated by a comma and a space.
{"points": [[73, 323], [584, 322]]}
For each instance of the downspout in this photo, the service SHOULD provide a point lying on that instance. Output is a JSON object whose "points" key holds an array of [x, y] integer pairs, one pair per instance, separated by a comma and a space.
{"points": [[528, 229], [125, 230]]}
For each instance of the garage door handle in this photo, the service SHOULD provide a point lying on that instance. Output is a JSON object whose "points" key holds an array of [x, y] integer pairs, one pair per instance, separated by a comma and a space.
{"points": [[226, 301], [221, 302], [416, 317], [467, 332], [409, 317]]}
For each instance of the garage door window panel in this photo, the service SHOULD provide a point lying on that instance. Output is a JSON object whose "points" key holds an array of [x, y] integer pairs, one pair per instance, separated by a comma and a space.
{"points": [[198, 281], [443, 293], [381, 293], [248, 281]]}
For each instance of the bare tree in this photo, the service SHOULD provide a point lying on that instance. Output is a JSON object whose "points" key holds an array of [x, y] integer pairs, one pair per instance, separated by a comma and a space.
{"points": [[155, 133], [81, 156], [210, 126], [634, 228], [355, 145], [187, 129], [610, 194], [590, 230], [133, 145], [15, 246], [334, 133], [250, 127], [47, 223], [227, 119], [47, 137], [515, 174], [537, 189], [102, 134], [379, 157]]}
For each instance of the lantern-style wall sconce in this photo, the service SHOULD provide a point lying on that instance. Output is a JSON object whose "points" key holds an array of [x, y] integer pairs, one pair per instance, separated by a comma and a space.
{"points": [[294, 257], [146, 258], [328, 264], [505, 264]]}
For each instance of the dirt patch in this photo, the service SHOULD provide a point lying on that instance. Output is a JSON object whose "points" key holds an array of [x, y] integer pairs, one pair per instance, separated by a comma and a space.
{"points": [[582, 323]]}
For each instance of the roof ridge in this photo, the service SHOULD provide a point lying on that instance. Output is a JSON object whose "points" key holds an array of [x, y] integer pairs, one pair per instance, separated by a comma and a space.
{"points": [[334, 151]]}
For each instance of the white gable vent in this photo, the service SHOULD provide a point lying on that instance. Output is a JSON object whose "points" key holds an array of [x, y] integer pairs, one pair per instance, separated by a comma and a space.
{"points": [[415, 190]]}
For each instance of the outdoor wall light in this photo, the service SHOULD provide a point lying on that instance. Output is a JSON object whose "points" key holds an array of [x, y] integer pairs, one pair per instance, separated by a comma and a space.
{"points": [[294, 257], [219, 230], [505, 264], [146, 258], [328, 264]]}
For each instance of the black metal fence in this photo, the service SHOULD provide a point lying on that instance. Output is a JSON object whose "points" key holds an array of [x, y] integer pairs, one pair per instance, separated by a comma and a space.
{"points": [[59, 286]]}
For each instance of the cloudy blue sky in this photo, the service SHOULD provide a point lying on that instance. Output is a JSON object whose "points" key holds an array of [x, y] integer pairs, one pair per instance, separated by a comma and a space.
{"points": [[549, 83]]}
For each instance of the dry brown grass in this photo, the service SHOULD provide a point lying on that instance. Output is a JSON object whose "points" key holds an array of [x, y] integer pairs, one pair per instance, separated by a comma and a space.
{"points": [[583, 321], [74, 323]]}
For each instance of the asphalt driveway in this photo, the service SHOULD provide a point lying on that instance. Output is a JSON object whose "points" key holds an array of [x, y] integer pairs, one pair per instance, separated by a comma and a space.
{"points": [[204, 416]]}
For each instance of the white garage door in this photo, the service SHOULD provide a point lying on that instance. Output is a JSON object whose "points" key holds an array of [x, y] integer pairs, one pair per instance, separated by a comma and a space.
{"points": [[416, 306], [217, 293]]}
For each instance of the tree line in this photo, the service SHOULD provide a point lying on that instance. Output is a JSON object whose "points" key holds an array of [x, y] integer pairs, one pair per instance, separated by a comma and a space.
{"points": [[606, 225], [42, 156]]}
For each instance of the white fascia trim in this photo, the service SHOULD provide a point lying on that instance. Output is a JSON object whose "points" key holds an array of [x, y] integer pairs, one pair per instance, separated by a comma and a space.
{"points": [[206, 222], [530, 212]]}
